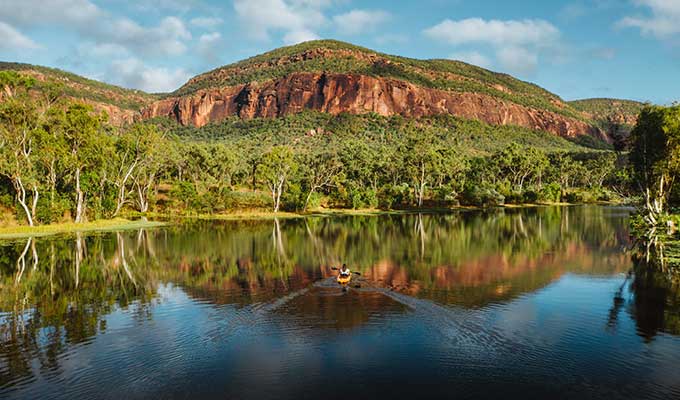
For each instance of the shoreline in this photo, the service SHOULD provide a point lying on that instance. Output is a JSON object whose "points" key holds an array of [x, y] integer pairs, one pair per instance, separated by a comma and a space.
{"points": [[165, 219], [117, 224]]}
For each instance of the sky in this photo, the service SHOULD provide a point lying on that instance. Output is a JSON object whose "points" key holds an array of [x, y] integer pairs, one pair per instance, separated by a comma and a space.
{"points": [[574, 48]]}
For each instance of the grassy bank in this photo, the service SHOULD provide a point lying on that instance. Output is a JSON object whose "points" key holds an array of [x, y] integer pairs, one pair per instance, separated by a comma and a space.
{"points": [[18, 232]]}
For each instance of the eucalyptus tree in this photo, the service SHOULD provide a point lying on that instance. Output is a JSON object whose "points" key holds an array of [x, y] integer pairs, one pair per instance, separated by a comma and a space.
{"points": [[138, 152], [655, 157], [422, 159], [85, 139], [277, 166], [322, 170], [18, 132]]}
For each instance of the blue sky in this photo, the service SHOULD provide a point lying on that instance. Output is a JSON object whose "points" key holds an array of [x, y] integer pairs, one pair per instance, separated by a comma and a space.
{"points": [[575, 48]]}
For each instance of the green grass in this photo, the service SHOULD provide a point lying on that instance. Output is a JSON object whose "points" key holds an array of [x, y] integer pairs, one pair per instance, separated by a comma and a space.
{"points": [[118, 224]]}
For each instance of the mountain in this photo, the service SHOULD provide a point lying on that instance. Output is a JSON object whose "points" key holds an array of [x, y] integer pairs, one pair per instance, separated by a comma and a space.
{"points": [[122, 105], [336, 77]]}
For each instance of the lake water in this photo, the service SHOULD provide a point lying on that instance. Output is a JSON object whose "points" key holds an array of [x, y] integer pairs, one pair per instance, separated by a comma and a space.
{"points": [[526, 303]]}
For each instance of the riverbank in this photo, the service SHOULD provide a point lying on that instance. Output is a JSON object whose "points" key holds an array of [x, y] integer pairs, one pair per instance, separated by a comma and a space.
{"points": [[138, 221], [117, 224]]}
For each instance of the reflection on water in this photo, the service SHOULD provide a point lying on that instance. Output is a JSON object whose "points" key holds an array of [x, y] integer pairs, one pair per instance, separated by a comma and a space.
{"points": [[461, 277]]}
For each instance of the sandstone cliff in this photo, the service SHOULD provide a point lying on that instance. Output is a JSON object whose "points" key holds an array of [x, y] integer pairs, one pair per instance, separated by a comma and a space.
{"points": [[354, 93]]}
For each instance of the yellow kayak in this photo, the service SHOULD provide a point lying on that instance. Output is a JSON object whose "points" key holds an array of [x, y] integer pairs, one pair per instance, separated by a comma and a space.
{"points": [[343, 280]]}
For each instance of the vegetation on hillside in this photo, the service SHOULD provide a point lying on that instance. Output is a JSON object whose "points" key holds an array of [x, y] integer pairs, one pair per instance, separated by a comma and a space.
{"points": [[78, 87], [603, 107]]}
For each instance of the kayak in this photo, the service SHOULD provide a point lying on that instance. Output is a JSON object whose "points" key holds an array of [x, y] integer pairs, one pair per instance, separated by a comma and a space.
{"points": [[343, 280]]}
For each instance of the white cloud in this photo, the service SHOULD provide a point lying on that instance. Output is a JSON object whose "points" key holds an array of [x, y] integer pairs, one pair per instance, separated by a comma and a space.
{"points": [[207, 44], [299, 36], [297, 19], [35, 12], [472, 57], [663, 22], [101, 50], [133, 73], [14, 40], [499, 33], [517, 44], [356, 22], [165, 39], [206, 22], [517, 59], [96, 25]]}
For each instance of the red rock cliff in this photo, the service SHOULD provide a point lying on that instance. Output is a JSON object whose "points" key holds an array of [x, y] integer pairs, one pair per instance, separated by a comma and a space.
{"points": [[337, 93]]}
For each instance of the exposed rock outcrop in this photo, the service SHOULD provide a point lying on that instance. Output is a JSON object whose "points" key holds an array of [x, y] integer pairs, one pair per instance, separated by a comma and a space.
{"points": [[357, 94]]}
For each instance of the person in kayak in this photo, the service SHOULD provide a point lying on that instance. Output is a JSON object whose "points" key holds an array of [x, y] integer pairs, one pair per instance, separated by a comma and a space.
{"points": [[344, 271]]}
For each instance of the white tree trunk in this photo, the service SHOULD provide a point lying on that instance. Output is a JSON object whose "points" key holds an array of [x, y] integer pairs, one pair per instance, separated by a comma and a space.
{"points": [[21, 198], [122, 192], [80, 198]]}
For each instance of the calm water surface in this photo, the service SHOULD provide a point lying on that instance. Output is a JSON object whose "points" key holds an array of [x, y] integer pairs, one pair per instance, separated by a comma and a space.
{"points": [[533, 303]]}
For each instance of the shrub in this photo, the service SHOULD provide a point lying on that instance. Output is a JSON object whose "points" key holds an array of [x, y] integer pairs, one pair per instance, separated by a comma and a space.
{"points": [[481, 195]]}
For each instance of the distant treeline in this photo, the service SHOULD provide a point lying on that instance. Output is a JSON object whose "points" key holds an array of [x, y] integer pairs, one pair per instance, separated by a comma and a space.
{"points": [[60, 160]]}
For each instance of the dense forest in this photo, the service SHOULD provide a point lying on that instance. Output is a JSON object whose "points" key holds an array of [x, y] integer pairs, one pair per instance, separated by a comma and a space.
{"points": [[61, 160]]}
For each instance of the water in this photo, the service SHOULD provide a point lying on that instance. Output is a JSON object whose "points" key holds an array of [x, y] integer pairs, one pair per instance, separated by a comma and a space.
{"points": [[531, 303]]}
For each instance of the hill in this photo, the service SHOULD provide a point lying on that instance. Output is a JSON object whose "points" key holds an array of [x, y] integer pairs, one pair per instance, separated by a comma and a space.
{"points": [[334, 77], [122, 105], [608, 111], [337, 77]]}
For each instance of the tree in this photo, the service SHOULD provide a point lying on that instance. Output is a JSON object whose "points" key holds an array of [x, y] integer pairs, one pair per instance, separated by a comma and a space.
{"points": [[323, 169], [655, 157], [155, 153], [277, 166], [599, 168], [137, 157], [421, 159], [520, 164], [18, 132], [85, 139]]}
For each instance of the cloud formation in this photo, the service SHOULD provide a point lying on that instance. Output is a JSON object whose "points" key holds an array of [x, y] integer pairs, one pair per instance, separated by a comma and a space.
{"points": [[12, 39], [356, 22], [207, 46], [662, 22], [516, 43], [296, 19], [133, 73], [206, 22]]}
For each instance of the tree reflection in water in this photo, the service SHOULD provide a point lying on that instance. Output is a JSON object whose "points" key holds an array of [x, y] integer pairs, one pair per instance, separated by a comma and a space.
{"points": [[56, 293], [655, 288]]}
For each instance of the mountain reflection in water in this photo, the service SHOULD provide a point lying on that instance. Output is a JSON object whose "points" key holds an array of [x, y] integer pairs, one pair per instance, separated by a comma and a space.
{"points": [[59, 294]]}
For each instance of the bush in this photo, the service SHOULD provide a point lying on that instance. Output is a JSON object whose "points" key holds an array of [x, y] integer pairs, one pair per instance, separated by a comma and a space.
{"points": [[550, 193], [580, 196], [247, 200], [481, 195], [530, 196], [392, 195]]}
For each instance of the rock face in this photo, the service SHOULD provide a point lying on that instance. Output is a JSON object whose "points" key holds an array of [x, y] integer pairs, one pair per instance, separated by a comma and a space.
{"points": [[357, 94]]}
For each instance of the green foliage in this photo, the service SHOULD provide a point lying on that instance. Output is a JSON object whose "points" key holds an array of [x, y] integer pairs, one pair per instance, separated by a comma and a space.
{"points": [[655, 157], [76, 87], [606, 107], [83, 167]]}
